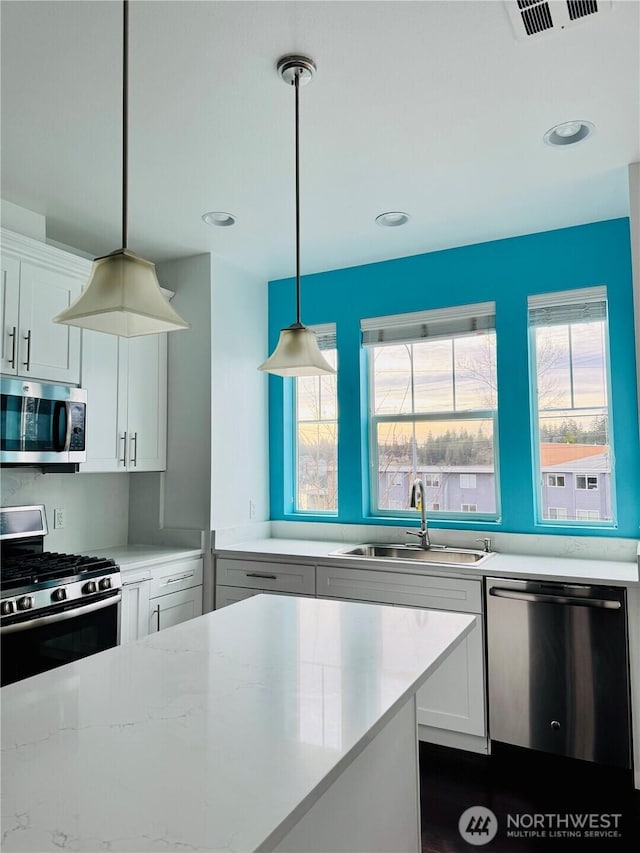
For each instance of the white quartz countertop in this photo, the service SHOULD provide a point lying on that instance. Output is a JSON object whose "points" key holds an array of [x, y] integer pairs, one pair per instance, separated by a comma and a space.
{"points": [[130, 557], [217, 734], [579, 568]]}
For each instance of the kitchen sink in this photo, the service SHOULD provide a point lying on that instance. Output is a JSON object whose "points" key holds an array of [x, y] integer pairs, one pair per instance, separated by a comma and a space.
{"points": [[436, 554]]}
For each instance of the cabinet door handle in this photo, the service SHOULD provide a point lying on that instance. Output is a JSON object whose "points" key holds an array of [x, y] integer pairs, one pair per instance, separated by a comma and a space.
{"points": [[157, 613], [12, 335], [123, 439], [134, 448], [27, 363], [181, 578], [261, 575]]}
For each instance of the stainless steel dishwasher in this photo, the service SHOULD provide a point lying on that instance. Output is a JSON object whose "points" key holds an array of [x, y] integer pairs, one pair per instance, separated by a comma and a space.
{"points": [[558, 669]]}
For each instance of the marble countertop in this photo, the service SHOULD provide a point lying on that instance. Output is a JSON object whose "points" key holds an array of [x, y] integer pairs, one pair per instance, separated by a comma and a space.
{"points": [[579, 568], [216, 734], [134, 557]]}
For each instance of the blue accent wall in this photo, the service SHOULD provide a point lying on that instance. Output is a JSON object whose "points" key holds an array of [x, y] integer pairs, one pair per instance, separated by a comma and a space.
{"points": [[503, 271]]}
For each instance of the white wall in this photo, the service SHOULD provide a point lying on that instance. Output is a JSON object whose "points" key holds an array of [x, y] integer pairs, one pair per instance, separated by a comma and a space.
{"points": [[96, 506], [180, 498], [239, 404]]}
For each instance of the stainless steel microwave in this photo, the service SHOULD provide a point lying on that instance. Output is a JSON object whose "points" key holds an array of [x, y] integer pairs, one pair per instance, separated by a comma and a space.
{"points": [[42, 424]]}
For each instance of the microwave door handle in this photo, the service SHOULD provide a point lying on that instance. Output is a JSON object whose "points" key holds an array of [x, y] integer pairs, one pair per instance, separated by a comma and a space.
{"points": [[59, 408]]}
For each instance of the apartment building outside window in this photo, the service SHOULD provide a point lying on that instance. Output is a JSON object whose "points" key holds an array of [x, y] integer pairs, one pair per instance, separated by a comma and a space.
{"points": [[316, 434], [571, 409], [433, 409]]}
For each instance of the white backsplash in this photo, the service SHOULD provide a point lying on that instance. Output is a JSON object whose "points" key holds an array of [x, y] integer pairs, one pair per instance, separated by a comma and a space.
{"points": [[543, 545], [96, 506]]}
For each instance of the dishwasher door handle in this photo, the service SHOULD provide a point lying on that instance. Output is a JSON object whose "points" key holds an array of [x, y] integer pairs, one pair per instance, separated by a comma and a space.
{"points": [[604, 603]]}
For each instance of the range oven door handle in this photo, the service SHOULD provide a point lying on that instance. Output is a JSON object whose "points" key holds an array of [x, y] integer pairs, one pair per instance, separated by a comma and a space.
{"points": [[60, 617], [540, 597]]}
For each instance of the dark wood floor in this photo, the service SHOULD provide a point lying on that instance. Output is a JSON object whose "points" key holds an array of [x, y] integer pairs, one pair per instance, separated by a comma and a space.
{"points": [[514, 783]]}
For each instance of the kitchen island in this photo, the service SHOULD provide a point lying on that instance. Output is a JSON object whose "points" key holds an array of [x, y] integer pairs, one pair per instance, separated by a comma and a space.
{"points": [[278, 723]]}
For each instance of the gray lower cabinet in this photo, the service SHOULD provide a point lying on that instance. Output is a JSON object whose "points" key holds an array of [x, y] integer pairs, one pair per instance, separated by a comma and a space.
{"points": [[451, 706], [237, 579]]}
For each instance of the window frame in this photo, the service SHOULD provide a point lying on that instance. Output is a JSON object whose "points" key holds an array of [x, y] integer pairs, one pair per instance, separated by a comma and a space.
{"points": [[596, 293], [556, 485], [587, 487], [295, 510], [371, 475]]}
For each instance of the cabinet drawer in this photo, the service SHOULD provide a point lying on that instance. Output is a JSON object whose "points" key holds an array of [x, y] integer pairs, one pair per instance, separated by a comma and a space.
{"points": [[230, 594], [171, 577], [277, 577], [437, 593]]}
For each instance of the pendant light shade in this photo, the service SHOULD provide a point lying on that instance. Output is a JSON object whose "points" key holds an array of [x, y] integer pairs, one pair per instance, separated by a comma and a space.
{"points": [[297, 352], [123, 296]]}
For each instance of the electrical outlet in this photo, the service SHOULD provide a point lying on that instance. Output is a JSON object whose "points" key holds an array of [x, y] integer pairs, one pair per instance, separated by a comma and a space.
{"points": [[252, 508], [58, 519]]}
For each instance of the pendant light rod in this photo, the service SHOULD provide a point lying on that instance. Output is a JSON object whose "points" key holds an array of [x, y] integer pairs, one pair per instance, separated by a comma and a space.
{"points": [[297, 352], [125, 121], [297, 87]]}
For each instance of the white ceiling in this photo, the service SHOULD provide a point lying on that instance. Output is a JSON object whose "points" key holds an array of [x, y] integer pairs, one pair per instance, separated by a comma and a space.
{"points": [[434, 108]]}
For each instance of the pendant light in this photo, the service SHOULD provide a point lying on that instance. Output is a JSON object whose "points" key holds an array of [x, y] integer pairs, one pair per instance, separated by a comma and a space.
{"points": [[297, 352], [123, 296]]}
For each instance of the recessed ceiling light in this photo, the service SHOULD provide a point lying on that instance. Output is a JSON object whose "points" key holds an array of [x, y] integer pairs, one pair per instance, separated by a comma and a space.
{"points": [[568, 133], [392, 219], [219, 217]]}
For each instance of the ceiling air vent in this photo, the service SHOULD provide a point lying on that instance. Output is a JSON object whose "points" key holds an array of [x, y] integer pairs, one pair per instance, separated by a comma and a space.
{"points": [[546, 17]]}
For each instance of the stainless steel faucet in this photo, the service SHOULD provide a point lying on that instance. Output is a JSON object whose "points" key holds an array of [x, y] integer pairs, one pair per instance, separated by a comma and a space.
{"points": [[418, 499]]}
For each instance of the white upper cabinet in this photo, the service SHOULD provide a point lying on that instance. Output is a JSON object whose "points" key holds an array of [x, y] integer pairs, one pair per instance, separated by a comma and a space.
{"points": [[39, 281], [126, 384]]}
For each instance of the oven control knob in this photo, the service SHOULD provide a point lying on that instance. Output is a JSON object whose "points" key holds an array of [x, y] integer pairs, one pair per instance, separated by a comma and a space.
{"points": [[104, 583], [25, 603], [89, 587], [59, 594], [7, 608]]}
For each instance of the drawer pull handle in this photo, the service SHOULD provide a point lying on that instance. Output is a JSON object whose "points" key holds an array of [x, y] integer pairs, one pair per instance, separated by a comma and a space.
{"points": [[181, 578], [263, 576]]}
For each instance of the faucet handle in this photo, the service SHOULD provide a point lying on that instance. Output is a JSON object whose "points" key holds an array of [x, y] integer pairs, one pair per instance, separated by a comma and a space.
{"points": [[486, 544]]}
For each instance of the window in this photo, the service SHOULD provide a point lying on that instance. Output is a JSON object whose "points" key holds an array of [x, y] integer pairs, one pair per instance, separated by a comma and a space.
{"points": [[555, 513], [434, 507], [556, 480], [316, 434], [469, 508], [570, 393], [587, 515], [585, 482], [467, 481], [433, 406]]}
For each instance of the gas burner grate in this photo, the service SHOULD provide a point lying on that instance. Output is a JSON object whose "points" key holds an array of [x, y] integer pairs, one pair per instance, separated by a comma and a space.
{"points": [[23, 569]]}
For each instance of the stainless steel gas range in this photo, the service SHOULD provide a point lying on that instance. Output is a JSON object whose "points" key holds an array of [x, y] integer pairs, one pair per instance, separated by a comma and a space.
{"points": [[54, 608]]}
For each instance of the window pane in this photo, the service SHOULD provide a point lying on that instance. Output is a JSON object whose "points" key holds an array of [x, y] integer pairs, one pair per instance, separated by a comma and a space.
{"points": [[454, 459], [475, 366], [317, 441], [433, 376], [573, 422], [589, 367], [552, 367], [392, 380]]}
